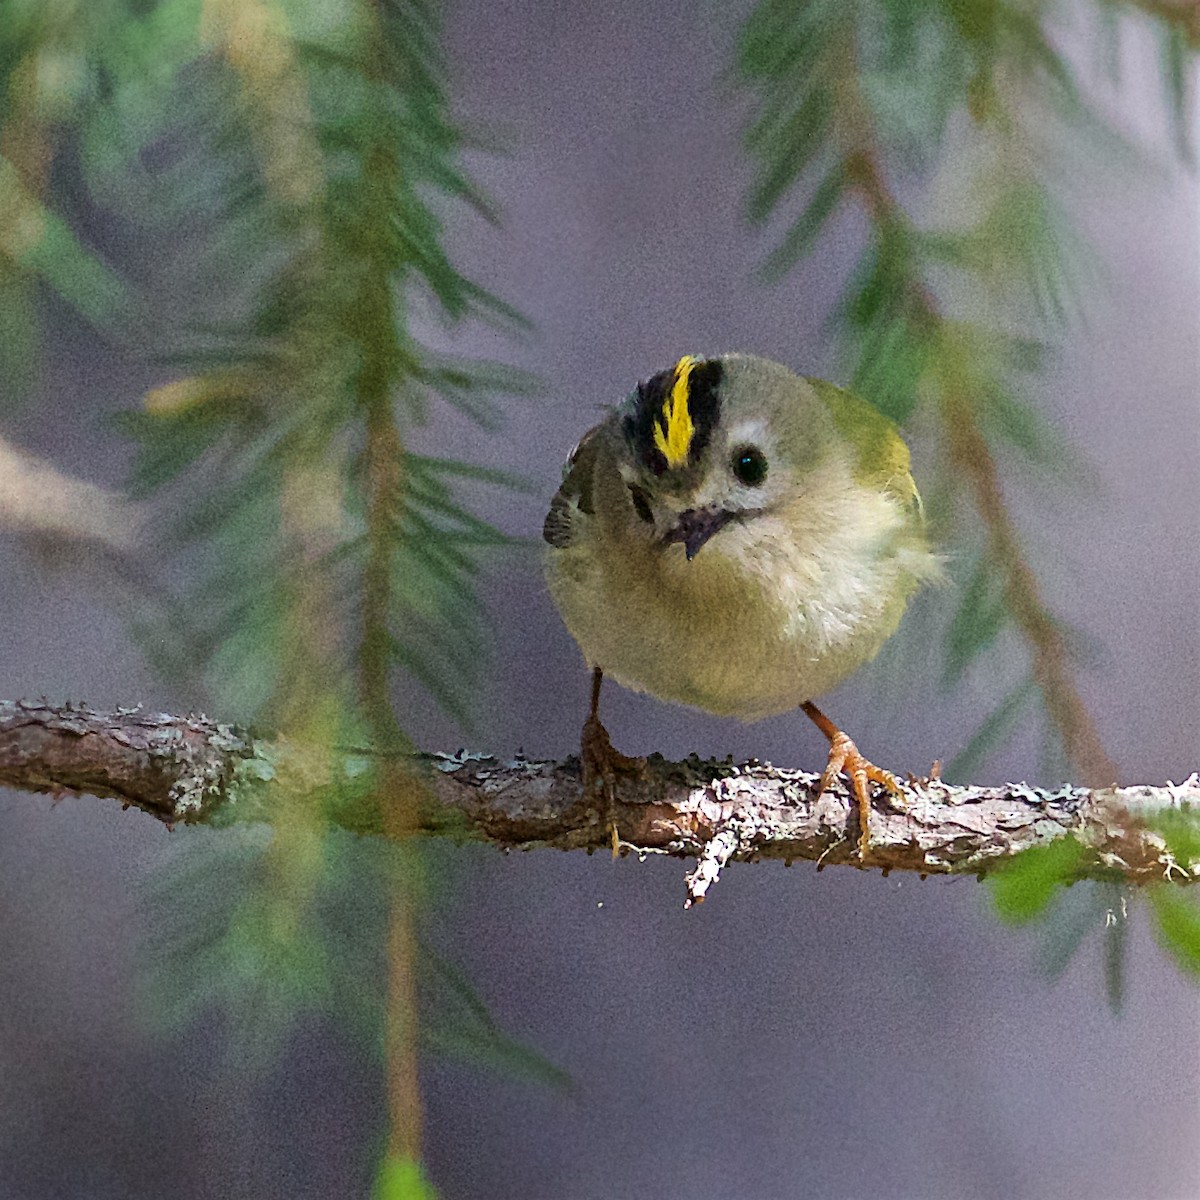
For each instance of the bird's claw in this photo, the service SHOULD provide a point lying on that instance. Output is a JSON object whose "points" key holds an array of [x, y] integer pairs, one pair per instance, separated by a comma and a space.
{"points": [[844, 757], [600, 760]]}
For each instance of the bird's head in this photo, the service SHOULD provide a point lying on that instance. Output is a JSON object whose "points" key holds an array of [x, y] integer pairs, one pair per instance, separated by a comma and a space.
{"points": [[717, 442]]}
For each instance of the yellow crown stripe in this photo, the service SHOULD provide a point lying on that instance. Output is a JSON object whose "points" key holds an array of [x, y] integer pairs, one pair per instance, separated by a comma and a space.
{"points": [[673, 433]]}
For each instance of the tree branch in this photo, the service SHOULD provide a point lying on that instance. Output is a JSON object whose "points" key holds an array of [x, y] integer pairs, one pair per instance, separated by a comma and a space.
{"points": [[197, 771]]}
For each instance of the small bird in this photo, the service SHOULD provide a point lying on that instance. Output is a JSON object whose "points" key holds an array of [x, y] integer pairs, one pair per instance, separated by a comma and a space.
{"points": [[740, 539]]}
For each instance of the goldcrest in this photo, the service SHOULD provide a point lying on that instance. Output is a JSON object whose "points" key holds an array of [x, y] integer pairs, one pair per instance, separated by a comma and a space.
{"points": [[737, 538]]}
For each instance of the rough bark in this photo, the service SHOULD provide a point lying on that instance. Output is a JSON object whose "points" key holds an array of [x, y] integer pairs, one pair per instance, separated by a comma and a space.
{"points": [[195, 770]]}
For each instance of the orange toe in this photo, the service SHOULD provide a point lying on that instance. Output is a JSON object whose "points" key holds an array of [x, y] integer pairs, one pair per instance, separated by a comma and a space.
{"points": [[845, 758]]}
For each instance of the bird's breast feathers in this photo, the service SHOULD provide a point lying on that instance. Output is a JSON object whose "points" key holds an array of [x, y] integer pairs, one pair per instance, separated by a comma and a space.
{"points": [[774, 610]]}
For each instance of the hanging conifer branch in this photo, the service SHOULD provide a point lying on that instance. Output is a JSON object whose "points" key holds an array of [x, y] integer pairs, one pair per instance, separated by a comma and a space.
{"points": [[973, 461], [814, 110]]}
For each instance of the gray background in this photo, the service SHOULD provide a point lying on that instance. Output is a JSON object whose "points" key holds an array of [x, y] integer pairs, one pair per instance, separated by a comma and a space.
{"points": [[838, 1035]]}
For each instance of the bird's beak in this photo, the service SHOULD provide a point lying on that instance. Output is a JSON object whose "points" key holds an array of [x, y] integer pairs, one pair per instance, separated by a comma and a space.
{"points": [[696, 526]]}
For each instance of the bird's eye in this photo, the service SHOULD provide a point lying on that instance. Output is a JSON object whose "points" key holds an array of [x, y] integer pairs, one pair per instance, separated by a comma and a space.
{"points": [[749, 465], [641, 504]]}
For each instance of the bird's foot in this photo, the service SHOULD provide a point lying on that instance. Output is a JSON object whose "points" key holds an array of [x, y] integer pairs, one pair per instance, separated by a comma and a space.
{"points": [[844, 756], [600, 761]]}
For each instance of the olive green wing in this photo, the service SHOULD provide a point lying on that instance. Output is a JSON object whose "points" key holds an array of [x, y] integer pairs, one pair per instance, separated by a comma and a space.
{"points": [[882, 458]]}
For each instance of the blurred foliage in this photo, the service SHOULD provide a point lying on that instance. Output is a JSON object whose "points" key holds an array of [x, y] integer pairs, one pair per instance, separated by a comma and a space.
{"points": [[1176, 915], [1078, 913], [861, 105], [465, 1029], [278, 174], [222, 944], [1043, 884], [1024, 887], [401, 1179], [951, 316], [1177, 925]]}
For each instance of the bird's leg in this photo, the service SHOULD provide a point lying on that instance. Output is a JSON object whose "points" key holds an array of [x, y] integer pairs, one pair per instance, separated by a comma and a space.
{"points": [[844, 756], [600, 760]]}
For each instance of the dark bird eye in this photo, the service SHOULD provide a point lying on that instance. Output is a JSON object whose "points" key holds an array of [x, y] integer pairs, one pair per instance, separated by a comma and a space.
{"points": [[750, 465], [641, 505]]}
